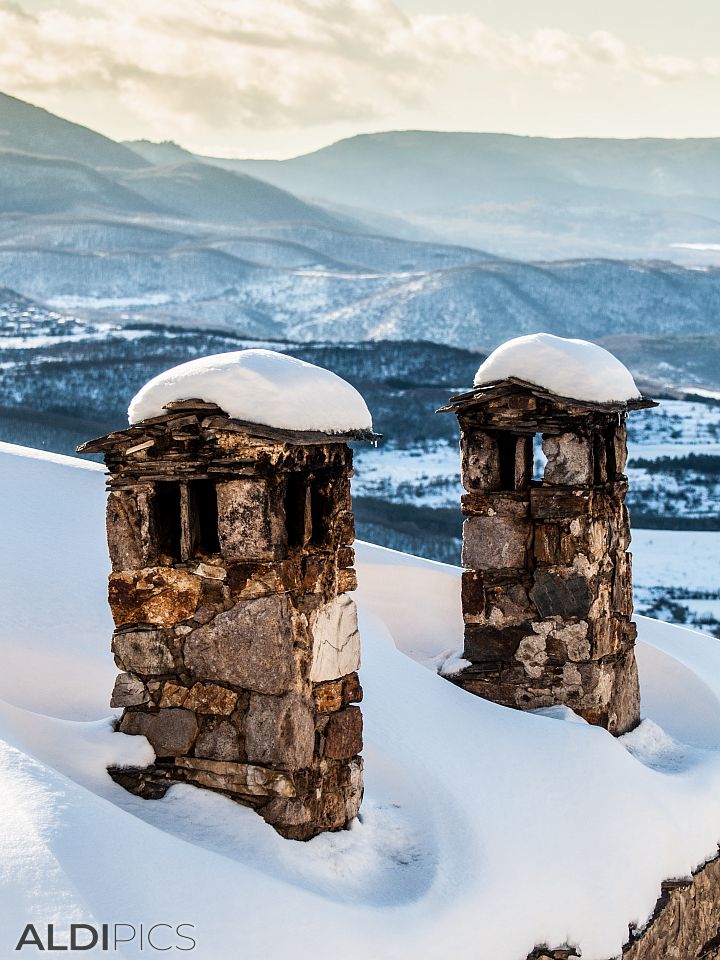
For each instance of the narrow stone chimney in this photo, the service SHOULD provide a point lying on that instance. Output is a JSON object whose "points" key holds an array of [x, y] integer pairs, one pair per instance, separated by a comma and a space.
{"points": [[232, 564], [547, 589]]}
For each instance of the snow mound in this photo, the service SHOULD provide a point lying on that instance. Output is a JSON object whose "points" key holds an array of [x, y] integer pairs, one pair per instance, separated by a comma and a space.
{"points": [[570, 368], [260, 386]]}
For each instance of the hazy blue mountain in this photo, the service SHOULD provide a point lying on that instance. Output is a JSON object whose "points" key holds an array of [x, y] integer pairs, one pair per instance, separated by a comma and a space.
{"points": [[197, 191], [42, 185], [526, 197], [31, 129]]}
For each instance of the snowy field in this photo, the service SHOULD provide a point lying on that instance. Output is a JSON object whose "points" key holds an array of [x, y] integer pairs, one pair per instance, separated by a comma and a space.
{"points": [[484, 830]]}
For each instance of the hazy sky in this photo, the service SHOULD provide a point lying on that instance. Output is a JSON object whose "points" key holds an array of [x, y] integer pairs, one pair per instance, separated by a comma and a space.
{"points": [[282, 77]]}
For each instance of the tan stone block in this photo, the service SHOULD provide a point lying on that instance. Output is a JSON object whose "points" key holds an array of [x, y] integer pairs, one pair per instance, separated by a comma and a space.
{"points": [[328, 696], [244, 778], [201, 697]]}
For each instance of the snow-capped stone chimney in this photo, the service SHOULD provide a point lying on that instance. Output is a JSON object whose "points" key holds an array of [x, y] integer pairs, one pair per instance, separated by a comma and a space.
{"points": [[230, 528], [547, 590]]}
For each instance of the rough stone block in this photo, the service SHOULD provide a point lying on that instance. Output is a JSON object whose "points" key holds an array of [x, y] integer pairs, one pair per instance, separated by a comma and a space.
{"points": [[280, 730], [328, 696], [171, 732], [201, 698], [249, 646], [560, 596], [547, 503], [218, 740], [336, 640], [347, 581], [352, 691], [345, 527], [484, 643], [129, 691], [162, 596], [620, 450], [343, 734], [480, 461], [250, 521], [128, 529], [491, 543], [237, 777], [499, 503], [143, 651], [622, 598]]}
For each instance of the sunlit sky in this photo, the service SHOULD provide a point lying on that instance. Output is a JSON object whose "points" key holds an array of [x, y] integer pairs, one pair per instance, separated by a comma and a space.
{"points": [[277, 78]]}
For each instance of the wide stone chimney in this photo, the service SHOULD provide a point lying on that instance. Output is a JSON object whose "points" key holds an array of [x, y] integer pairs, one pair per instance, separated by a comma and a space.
{"points": [[547, 589], [237, 638]]}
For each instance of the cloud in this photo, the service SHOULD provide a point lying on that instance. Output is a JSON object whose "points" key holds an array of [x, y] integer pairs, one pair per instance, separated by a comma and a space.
{"points": [[256, 64]]}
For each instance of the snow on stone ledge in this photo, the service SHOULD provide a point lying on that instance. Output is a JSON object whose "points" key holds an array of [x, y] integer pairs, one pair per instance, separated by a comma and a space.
{"points": [[259, 386], [570, 368]]}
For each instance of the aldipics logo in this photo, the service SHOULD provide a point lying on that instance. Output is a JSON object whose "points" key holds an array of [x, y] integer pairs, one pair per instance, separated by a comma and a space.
{"points": [[108, 937]]}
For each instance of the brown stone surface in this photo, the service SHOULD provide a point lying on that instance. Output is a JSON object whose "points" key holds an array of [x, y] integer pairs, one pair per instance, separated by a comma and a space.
{"points": [[485, 643], [328, 696], [352, 692], [249, 646], [201, 698], [343, 734], [280, 730], [161, 596], [494, 542], [171, 732]]}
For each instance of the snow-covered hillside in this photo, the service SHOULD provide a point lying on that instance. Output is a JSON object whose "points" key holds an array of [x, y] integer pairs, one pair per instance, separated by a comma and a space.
{"points": [[484, 831]]}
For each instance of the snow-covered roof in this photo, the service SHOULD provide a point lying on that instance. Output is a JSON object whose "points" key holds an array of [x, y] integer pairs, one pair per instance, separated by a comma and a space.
{"points": [[576, 369], [460, 791], [259, 386]]}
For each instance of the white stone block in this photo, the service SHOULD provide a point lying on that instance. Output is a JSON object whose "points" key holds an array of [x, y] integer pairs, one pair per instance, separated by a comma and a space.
{"points": [[336, 640]]}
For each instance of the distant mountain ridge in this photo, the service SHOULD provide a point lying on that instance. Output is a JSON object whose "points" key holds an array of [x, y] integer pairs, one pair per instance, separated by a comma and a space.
{"points": [[524, 197], [30, 129]]}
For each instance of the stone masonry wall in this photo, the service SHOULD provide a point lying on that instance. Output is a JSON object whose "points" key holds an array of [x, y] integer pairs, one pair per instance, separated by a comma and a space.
{"points": [[547, 590], [685, 924], [239, 657]]}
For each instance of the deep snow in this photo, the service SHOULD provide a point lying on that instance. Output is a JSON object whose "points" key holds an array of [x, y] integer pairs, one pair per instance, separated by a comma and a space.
{"points": [[484, 830], [259, 386], [569, 368]]}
